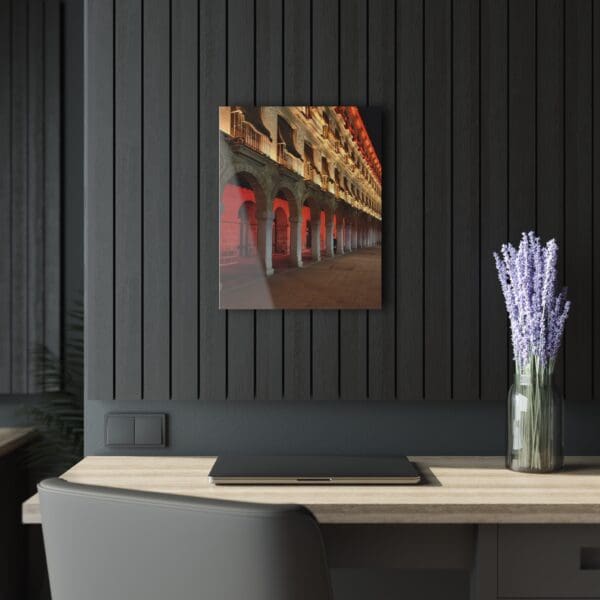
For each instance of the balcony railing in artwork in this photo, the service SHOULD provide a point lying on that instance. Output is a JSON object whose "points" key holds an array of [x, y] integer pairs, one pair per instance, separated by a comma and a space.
{"points": [[240, 129], [283, 158]]}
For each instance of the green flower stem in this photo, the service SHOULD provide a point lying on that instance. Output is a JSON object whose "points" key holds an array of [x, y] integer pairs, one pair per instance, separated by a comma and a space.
{"points": [[539, 444]]}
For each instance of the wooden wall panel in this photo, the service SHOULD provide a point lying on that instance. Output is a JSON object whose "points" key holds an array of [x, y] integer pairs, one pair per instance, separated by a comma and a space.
{"points": [[99, 201], [269, 91], [20, 200], [354, 341], [128, 199], [5, 197], [550, 94], [437, 217], [297, 326], [410, 179], [184, 199], [382, 94], [30, 186], [241, 332], [465, 200], [494, 196], [212, 356], [325, 90], [52, 176], [155, 209], [522, 34], [488, 120], [596, 195], [34, 206], [578, 197]]}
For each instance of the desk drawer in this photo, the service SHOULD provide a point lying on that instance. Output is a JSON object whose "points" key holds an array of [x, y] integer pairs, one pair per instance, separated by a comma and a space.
{"points": [[549, 561]]}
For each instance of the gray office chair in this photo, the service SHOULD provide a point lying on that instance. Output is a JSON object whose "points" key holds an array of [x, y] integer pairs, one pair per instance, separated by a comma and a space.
{"points": [[110, 544]]}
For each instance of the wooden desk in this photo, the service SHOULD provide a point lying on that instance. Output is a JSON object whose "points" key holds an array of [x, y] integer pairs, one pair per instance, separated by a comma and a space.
{"points": [[517, 535], [458, 490], [12, 438]]}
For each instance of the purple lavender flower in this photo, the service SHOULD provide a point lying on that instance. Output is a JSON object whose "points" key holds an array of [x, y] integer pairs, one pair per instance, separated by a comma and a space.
{"points": [[537, 314]]}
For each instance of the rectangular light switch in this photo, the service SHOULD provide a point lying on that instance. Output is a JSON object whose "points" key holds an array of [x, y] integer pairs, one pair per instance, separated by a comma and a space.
{"points": [[119, 430], [150, 430], [136, 430]]}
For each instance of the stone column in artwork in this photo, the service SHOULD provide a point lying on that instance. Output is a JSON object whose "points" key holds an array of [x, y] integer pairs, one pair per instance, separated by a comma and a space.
{"points": [[354, 236], [265, 241], [348, 237], [329, 235], [296, 241], [315, 234], [340, 235]]}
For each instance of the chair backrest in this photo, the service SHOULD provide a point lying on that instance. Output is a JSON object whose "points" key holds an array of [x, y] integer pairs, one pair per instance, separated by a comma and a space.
{"points": [[111, 544]]}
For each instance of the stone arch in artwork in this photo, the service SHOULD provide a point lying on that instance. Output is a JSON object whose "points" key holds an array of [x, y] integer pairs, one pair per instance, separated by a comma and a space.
{"points": [[242, 200], [281, 227]]}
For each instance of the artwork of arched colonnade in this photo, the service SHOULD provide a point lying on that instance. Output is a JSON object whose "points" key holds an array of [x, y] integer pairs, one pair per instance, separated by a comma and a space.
{"points": [[267, 211]]}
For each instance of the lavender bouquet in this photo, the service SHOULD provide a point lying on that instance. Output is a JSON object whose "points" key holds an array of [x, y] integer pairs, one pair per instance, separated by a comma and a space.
{"points": [[537, 316]]}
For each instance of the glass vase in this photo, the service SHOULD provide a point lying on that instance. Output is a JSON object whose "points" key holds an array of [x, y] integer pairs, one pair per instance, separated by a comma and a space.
{"points": [[535, 419]]}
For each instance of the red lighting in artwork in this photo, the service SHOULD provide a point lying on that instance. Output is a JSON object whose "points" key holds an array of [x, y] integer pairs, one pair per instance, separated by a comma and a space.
{"points": [[356, 126], [238, 238]]}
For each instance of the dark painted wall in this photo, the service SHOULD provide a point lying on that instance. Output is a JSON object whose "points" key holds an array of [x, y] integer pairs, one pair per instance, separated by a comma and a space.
{"points": [[490, 121]]}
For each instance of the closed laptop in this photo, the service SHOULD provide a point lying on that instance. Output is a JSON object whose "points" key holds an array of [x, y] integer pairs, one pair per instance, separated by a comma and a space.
{"points": [[306, 470]]}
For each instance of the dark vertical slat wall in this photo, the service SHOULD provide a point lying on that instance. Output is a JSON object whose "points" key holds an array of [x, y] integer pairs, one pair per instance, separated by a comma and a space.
{"points": [[297, 340], [99, 259], [382, 93], [52, 176], [241, 332], [465, 199], [269, 83], [325, 45], [437, 200], [128, 199], [212, 62], [409, 240], [20, 200], [493, 161], [596, 194], [35, 184], [353, 90], [30, 187], [550, 129], [489, 129], [5, 197], [579, 203], [522, 34], [154, 222], [185, 277]]}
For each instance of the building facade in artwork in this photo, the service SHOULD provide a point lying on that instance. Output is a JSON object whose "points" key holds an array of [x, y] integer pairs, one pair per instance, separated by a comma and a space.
{"points": [[296, 184]]}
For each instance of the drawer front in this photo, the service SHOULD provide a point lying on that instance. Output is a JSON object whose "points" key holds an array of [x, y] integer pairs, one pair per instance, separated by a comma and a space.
{"points": [[549, 561]]}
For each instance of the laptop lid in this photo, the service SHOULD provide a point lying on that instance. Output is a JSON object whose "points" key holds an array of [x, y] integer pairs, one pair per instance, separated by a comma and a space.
{"points": [[305, 470]]}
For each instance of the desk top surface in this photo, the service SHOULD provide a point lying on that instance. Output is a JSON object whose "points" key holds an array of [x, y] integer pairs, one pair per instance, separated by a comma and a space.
{"points": [[12, 438], [457, 489]]}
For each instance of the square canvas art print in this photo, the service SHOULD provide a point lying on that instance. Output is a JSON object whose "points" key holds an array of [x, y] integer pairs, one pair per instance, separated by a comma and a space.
{"points": [[299, 207]]}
